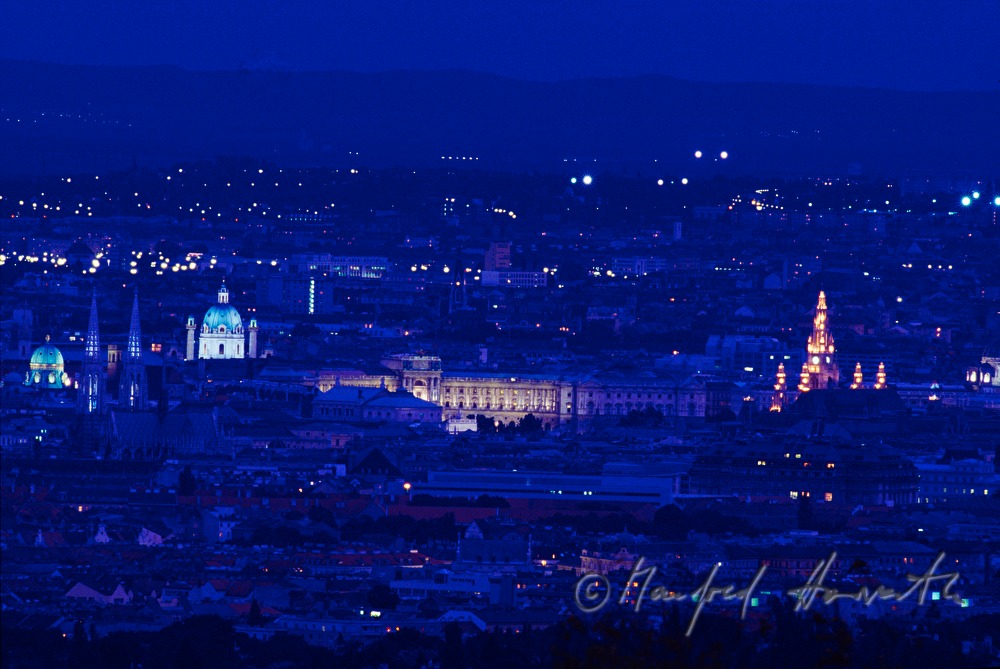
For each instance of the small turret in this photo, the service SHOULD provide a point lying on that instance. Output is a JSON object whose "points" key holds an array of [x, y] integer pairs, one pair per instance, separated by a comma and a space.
{"points": [[780, 388], [804, 378], [858, 377], [252, 343], [880, 377], [191, 327]]}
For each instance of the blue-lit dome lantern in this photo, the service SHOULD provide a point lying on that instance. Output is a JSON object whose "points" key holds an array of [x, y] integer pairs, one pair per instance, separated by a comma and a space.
{"points": [[46, 368]]}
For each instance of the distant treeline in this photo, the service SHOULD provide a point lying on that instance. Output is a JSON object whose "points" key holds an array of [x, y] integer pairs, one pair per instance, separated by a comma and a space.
{"points": [[779, 639]]}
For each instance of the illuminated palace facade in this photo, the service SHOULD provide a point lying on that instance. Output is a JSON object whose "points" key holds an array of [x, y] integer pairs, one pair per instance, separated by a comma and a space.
{"points": [[556, 400]]}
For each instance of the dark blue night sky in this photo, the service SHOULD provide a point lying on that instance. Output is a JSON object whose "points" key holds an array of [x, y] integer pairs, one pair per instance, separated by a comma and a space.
{"points": [[903, 44]]}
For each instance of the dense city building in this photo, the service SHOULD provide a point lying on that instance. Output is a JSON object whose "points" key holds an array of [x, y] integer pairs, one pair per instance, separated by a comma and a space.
{"points": [[366, 427]]}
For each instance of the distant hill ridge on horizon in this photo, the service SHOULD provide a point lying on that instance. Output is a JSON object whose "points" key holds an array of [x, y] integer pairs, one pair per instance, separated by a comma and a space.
{"points": [[263, 69], [81, 118]]}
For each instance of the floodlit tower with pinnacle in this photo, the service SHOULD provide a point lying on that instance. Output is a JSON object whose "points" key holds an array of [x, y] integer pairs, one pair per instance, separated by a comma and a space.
{"points": [[821, 361], [132, 389]]}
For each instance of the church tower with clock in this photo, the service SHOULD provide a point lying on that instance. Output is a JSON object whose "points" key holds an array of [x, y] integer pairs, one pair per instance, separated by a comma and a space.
{"points": [[820, 368]]}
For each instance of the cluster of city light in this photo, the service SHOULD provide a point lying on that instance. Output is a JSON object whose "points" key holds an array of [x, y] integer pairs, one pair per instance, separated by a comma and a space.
{"points": [[500, 211], [941, 267], [759, 205], [723, 155], [52, 259], [46, 207], [37, 205], [967, 200], [599, 272]]}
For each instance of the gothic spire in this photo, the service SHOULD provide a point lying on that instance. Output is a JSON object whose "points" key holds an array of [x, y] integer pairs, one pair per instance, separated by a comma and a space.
{"points": [[132, 388], [92, 347], [134, 349], [92, 382]]}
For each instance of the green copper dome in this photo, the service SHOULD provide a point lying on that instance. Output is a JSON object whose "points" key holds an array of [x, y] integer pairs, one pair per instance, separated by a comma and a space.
{"points": [[46, 368], [46, 356]]}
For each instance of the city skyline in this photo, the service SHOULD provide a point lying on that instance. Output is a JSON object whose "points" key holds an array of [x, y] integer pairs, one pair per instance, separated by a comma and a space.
{"points": [[473, 335]]}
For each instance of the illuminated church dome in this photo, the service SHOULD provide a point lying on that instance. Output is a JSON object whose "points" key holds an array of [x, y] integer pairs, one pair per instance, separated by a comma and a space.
{"points": [[46, 356], [222, 334], [46, 369]]}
